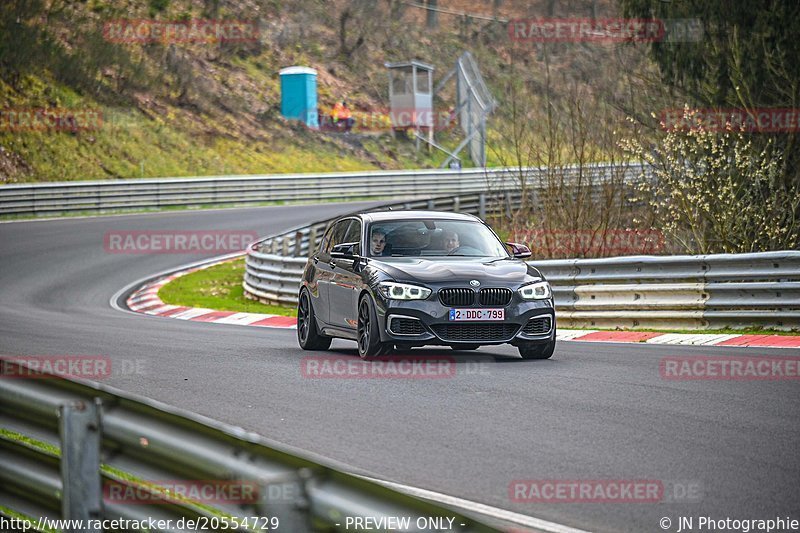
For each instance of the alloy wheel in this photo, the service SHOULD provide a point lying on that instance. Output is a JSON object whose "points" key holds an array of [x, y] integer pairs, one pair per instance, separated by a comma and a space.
{"points": [[303, 318], [363, 327]]}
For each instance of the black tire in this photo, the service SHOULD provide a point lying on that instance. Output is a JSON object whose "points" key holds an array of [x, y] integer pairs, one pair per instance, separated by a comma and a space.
{"points": [[537, 351], [466, 347], [369, 336], [307, 335]]}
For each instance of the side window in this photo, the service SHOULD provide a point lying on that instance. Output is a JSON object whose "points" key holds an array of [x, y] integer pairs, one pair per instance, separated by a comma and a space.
{"points": [[354, 234], [337, 235], [323, 244]]}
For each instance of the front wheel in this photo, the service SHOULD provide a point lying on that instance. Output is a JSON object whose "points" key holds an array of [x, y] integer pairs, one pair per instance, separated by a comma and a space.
{"points": [[369, 336], [537, 351], [307, 335]]}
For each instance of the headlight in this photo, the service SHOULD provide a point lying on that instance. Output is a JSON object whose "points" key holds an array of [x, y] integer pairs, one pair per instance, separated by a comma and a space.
{"points": [[403, 291], [535, 291]]}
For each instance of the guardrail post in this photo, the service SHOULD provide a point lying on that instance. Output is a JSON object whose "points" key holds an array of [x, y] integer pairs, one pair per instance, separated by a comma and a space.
{"points": [[298, 243], [312, 240], [285, 498], [79, 429], [482, 206]]}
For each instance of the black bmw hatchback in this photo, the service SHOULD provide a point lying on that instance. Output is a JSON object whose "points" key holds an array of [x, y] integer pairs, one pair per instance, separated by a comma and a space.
{"points": [[412, 278]]}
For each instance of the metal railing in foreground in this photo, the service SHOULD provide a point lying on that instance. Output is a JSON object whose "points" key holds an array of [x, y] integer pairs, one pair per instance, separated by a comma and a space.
{"points": [[657, 292], [79, 450]]}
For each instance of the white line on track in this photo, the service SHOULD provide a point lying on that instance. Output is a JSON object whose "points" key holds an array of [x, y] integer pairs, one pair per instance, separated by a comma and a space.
{"points": [[480, 508]]}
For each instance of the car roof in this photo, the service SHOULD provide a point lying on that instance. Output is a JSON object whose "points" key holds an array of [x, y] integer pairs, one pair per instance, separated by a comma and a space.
{"points": [[380, 216]]}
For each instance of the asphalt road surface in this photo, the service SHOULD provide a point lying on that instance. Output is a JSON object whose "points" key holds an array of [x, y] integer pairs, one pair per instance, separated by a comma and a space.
{"points": [[720, 449]]}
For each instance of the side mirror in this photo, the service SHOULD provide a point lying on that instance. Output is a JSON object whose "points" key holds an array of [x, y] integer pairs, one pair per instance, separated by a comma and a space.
{"points": [[519, 250], [345, 250]]}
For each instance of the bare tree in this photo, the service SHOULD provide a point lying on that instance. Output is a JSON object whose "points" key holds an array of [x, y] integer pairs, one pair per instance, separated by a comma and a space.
{"points": [[554, 141]]}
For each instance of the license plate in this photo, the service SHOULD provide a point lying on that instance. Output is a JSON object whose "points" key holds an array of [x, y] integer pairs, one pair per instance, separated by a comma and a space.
{"points": [[469, 315]]}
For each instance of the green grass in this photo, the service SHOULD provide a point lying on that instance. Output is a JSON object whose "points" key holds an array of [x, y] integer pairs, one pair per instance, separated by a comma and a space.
{"points": [[130, 144], [126, 148], [218, 287], [29, 442]]}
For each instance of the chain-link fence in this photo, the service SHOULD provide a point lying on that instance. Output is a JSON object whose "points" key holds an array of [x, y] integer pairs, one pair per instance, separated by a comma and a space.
{"points": [[475, 103]]}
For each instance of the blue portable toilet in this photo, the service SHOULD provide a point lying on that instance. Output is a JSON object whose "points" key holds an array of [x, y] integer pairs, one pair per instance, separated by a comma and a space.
{"points": [[299, 95]]}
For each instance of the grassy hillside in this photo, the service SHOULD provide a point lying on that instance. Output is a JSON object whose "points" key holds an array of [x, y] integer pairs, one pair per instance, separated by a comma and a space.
{"points": [[181, 109]]}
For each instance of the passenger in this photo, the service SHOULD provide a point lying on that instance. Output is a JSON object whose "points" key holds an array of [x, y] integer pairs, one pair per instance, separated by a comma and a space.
{"points": [[451, 241]]}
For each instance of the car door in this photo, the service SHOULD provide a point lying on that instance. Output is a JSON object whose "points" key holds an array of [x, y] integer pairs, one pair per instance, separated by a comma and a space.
{"points": [[325, 266], [346, 283]]}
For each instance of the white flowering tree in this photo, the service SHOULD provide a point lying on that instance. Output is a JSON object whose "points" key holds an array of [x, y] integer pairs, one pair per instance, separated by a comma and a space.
{"points": [[712, 191]]}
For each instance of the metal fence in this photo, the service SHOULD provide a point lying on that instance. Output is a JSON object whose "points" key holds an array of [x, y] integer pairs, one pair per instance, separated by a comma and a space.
{"points": [[664, 292], [474, 105], [85, 451], [113, 195]]}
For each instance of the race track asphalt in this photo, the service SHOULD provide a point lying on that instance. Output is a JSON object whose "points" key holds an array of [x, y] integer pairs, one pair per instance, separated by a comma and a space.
{"points": [[593, 411]]}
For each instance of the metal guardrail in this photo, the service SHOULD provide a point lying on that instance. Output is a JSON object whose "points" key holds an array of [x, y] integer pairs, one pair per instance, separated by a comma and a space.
{"points": [[686, 291], [664, 292], [50, 450], [107, 195]]}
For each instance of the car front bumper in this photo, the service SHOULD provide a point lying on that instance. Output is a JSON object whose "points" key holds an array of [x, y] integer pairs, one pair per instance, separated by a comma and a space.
{"points": [[437, 329]]}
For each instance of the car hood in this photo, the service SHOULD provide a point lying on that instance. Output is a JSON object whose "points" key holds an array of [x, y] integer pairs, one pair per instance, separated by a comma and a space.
{"points": [[461, 269]]}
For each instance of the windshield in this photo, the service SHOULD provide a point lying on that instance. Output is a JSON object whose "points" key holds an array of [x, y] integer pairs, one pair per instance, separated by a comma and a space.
{"points": [[433, 238]]}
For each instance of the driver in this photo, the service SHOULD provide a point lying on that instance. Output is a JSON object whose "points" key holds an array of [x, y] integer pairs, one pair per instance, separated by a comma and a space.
{"points": [[451, 241], [377, 243]]}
